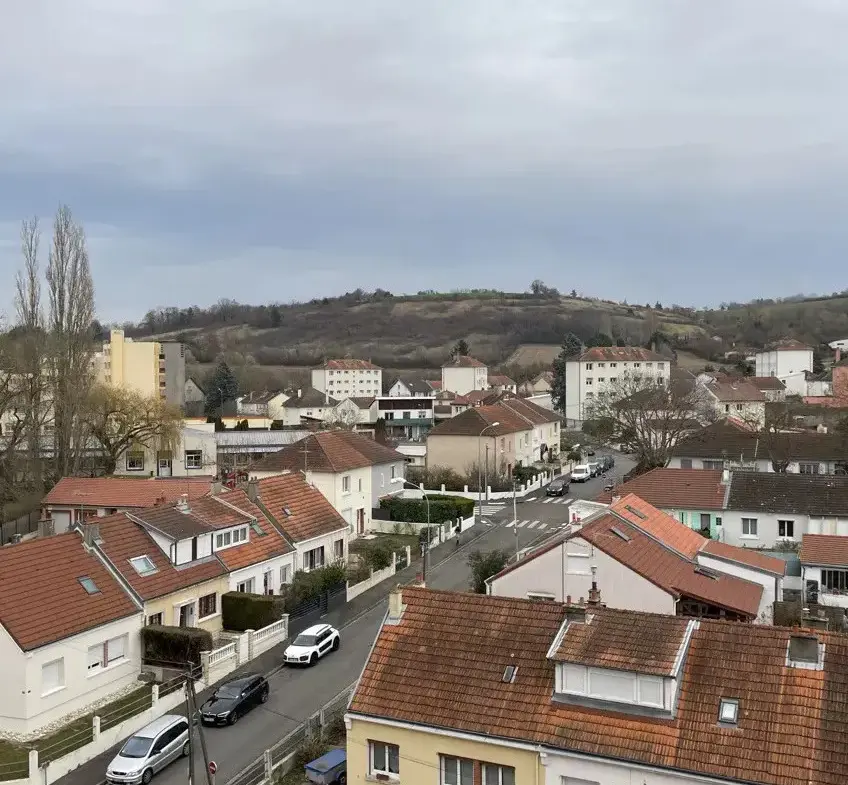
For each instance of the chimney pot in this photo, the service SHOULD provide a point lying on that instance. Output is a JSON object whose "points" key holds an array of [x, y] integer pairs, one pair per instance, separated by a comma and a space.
{"points": [[396, 606], [217, 487], [253, 490], [568, 599], [725, 476], [91, 534]]}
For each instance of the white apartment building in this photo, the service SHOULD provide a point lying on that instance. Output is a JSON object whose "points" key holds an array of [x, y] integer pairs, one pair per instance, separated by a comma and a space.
{"points": [[348, 378], [600, 368], [784, 359], [462, 374]]}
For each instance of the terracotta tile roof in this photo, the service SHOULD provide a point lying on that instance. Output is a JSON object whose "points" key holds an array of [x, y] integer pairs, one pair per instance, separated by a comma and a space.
{"points": [[731, 440], [434, 385], [621, 354], [472, 421], [537, 415], [800, 494], [736, 392], [668, 569], [745, 556], [123, 492], [659, 525], [123, 539], [787, 345], [678, 489], [311, 514], [499, 380], [624, 640], [824, 550], [310, 399], [450, 651], [41, 598], [350, 365], [766, 382], [329, 451], [463, 361], [200, 517]]}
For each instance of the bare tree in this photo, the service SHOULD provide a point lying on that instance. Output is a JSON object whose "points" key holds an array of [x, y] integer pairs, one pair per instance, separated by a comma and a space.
{"points": [[646, 416], [342, 417], [70, 294], [120, 419]]}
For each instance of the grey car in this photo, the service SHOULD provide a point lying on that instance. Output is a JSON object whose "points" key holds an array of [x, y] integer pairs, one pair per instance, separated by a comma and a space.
{"points": [[149, 751]]}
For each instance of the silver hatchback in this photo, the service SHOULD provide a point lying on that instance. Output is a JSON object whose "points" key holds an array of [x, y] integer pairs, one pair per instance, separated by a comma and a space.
{"points": [[149, 750]]}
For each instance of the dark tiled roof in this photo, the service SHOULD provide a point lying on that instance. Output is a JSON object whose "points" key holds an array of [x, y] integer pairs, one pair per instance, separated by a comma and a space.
{"points": [[42, 599], [766, 382], [513, 416], [825, 550], [642, 642], [260, 397], [499, 380], [538, 415], [414, 385], [621, 354], [450, 652], [311, 515], [329, 451], [736, 392], [463, 361], [363, 402], [350, 365], [800, 494], [787, 345], [123, 539], [311, 399], [120, 492], [678, 489]]}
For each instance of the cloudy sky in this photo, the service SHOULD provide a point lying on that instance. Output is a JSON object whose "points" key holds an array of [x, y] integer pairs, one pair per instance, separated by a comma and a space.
{"points": [[270, 150]]}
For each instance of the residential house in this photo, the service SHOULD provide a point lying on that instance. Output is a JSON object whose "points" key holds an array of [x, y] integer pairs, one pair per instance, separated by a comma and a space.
{"points": [[506, 434], [256, 556], [194, 455], [522, 691], [824, 569], [603, 368], [765, 509], [539, 385], [307, 519], [435, 385], [840, 344], [184, 595], [151, 368], [410, 387], [348, 378], [407, 418], [241, 449], [194, 393], [732, 445], [76, 499], [308, 405], [462, 374], [770, 386], [68, 632], [268, 403], [354, 412], [837, 396], [784, 359], [501, 383], [352, 471], [741, 400], [695, 497], [645, 560]]}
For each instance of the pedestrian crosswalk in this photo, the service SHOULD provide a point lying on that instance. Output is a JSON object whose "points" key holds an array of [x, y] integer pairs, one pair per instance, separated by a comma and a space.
{"points": [[557, 500], [492, 509], [537, 525]]}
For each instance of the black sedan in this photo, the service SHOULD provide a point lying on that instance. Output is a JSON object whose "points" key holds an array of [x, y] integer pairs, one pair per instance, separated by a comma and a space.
{"points": [[234, 699], [557, 487]]}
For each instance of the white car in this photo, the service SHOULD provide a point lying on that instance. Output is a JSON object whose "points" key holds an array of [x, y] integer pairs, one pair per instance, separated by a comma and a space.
{"points": [[312, 644], [581, 473]]}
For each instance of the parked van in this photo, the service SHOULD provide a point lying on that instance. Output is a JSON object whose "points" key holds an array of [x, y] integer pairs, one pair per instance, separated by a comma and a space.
{"points": [[150, 750], [581, 473]]}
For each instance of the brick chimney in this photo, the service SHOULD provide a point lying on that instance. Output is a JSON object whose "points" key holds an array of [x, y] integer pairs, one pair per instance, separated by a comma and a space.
{"points": [[837, 355], [594, 592]]}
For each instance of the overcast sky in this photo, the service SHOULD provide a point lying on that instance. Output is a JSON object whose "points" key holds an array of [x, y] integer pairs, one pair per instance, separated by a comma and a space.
{"points": [[263, 150]]}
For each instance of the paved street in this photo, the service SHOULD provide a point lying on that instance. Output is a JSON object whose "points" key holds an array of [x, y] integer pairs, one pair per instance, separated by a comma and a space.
{"points": [[296, 694]]}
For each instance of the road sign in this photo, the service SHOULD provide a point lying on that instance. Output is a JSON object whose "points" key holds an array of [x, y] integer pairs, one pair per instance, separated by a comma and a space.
{"points": [[213, 767]]}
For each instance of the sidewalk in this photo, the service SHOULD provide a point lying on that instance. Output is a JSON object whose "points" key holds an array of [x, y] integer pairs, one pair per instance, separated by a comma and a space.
{"points": [[92, 772]]}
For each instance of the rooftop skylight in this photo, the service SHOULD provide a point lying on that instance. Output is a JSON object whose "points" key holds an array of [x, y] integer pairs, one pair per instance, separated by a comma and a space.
{"points": [[728, 711], [619, 533], [88, 584], [143, 565]]}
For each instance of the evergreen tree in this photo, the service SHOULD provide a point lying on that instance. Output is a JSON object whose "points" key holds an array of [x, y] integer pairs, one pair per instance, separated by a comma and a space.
{"points": [[221, 387], [571, 347], [460, 348]]}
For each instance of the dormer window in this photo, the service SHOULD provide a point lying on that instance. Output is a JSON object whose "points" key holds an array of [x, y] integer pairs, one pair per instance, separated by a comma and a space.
{"points": [[229, 538], [613, 686], [805, 651], [728, 711]]}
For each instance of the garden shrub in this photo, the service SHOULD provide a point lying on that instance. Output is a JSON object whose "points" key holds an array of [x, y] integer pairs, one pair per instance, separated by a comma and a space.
{"points": [[242, 611], [169, 645], [442, 508]]}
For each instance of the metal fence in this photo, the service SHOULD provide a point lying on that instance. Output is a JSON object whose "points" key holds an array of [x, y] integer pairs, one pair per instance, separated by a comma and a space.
{"points": [[261, 771]]}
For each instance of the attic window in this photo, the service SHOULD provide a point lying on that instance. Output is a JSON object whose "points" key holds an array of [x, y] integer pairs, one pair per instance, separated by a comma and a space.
{"points": [[638, 513], [287, 512], [728, 711], [706, 571], [509, 674], [143, 565], [618, 533], [804, 650], [89, 585], [257, 529]]}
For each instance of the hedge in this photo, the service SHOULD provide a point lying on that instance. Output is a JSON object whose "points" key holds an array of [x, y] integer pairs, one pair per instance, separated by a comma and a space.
{"points": [[442, 508], [524, 474], [174, 645], [242, 611], [306, 585]]}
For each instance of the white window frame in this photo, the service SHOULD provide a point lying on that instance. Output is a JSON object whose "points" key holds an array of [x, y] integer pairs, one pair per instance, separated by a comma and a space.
{"points": [[753, 531], [496, 769], [346, 483], [134, 454], [448, 762], [284, 575], [336, 555], [382, 771], [57, 684], [193, 459], [246, 586], [787, 524]]}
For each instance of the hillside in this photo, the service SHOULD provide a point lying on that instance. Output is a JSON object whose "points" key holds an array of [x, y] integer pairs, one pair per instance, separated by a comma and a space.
{"points": [[512, 330]]}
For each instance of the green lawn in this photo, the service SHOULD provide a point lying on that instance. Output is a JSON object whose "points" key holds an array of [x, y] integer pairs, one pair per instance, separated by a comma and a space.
{"points": [[14, 757]]}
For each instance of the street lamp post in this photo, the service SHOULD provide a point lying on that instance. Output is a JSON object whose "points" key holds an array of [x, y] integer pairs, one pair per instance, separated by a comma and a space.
{"points": [[480, 469], [425, 546]]}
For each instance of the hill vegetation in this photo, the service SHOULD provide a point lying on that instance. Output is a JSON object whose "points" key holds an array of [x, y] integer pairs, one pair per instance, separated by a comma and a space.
{"points": [[414, 332]]}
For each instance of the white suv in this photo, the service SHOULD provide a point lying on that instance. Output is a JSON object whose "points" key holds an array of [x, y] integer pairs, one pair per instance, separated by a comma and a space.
{"points": [[312, 644]]}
